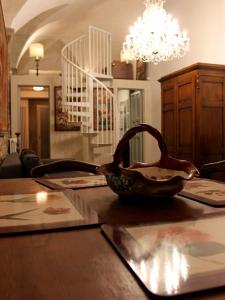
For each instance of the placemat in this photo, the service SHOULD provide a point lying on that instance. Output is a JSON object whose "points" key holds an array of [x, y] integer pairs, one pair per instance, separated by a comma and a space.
{"points": [[73, 182], [206, 191], [44, 210], [174, 258]]}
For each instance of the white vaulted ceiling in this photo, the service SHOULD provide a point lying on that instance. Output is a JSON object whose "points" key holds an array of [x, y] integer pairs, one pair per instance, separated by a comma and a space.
{"points": [[40, 12], [56, 22]]}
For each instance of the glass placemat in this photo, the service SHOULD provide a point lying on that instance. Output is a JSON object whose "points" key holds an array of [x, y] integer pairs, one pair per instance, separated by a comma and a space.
{"points": [[73, 182], [44, 210], [174, 258], [205, 190]]}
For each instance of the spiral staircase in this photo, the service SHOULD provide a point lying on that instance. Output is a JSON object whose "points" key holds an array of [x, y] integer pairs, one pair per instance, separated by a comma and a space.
{"points": [[87, 97]]}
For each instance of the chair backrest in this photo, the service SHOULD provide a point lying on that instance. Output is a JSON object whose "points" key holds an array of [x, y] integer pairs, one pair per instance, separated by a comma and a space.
{"points": [[29, 160], [215, 170], [61, 166]]}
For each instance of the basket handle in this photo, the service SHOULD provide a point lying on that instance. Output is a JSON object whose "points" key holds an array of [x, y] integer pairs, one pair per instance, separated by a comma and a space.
{"points": [[123, 143]]}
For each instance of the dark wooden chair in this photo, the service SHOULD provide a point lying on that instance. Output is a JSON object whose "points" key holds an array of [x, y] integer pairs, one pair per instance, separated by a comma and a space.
{"points": [[63, 166], [215, 170]]}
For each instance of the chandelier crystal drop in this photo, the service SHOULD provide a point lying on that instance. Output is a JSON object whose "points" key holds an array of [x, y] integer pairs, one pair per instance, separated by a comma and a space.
{"points": [[155, 36]]}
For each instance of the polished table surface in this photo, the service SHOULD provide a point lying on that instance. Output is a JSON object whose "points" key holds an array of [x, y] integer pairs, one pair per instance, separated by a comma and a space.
{"points": [[81, 263]]}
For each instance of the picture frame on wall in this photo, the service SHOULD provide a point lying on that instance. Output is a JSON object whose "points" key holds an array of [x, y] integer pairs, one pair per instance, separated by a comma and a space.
{"points": [[61, 118], [103, 109], [141, 70]]}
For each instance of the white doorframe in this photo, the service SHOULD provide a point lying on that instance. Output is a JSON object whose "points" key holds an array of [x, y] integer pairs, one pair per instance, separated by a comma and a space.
{"points": [[136, 117], [24, 105], [144, 85], [29, 80]]}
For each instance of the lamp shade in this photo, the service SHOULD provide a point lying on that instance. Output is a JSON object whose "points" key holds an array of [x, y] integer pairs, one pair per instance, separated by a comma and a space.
{"points": [[36, 50]]}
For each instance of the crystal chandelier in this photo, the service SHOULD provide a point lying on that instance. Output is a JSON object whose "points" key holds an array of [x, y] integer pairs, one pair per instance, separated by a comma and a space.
{"points": [[155, 36]]}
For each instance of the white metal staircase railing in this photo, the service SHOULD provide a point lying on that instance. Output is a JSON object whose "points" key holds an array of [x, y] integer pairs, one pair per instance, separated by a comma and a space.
{"points": [[100, 52], [86, 99]]}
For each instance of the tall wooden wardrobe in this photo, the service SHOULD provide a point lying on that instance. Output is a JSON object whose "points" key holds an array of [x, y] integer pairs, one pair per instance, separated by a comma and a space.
{"points": [[193, 113]]}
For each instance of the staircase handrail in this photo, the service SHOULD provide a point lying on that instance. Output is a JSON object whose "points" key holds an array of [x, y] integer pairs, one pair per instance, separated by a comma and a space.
{"points": [[79, 68], [87, 100]]}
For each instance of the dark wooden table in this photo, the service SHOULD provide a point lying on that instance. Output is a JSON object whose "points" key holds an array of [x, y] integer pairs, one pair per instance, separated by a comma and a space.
{"points": [[81, 264]]}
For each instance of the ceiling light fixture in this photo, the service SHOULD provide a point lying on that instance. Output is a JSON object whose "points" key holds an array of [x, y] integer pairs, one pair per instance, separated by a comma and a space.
{"points": [[155, 36], [38, 88], [36, 50]]}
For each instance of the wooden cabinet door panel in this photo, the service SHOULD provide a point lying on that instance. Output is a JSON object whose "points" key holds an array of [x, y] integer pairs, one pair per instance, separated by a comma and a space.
{"points": [[185, 117], [169, 116], [211, 119]]}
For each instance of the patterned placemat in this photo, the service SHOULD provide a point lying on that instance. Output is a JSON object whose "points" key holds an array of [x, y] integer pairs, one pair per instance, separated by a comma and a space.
{"points": [[43, 211], [205, 190], [74, 182], [175, 258]]}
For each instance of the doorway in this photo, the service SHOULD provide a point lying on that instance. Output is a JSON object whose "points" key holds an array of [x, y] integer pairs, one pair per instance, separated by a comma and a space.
{"points": [[34, 121], [131, 113]]}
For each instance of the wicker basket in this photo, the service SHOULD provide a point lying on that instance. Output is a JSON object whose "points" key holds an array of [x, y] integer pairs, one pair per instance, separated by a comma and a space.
{"points": [[160, 179]]}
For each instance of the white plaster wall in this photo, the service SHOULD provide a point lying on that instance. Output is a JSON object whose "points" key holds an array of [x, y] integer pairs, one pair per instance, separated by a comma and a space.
{"points": [[205, 22]]}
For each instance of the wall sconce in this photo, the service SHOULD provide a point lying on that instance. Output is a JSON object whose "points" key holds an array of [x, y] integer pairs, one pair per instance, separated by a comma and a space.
{"points": [[126, 56], [36, 50]]}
